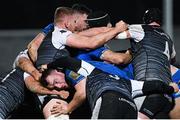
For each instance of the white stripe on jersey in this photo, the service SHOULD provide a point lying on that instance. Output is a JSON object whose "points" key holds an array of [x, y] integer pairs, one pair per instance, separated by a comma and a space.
{"points": [[85, 69], [8, 75]]}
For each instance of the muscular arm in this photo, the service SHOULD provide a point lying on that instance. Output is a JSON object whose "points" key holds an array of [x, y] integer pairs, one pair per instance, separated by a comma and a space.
{"points": [[79, 41], [34, 45], [36, 87], [94, 31], [116, 58], [79, 96], [26, 65]]}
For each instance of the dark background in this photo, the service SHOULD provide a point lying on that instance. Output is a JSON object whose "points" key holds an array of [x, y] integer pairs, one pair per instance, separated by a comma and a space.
{"points": [[22, 20], [22, 14]]}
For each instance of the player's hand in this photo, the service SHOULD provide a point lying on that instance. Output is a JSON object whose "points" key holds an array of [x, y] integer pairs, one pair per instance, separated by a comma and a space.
{"points": [[36, 74], [61, 107], [121, 26], [175, 86], [48, 28], [64, 94], [43, 68]]}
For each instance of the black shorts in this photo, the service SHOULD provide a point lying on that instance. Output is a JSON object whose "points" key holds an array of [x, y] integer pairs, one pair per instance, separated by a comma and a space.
{"points": [[114, 105], [157, 106]]}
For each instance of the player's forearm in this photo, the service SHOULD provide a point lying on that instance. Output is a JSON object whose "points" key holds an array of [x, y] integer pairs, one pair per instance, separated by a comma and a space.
{"points": [[94, 31], [26, 65], [36, 87], [116, 58], [77, 100], [34, 45], [102, 38]]}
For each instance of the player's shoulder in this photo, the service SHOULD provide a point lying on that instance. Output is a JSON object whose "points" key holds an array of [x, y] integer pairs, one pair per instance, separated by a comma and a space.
{"points": [[61, 30]]}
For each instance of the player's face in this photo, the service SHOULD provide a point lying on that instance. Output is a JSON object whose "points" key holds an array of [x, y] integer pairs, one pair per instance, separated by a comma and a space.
{"points": [[56, 80], [80, 22]]}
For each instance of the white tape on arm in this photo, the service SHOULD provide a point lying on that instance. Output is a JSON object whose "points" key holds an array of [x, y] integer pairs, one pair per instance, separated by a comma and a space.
{"points": [[122, 35]]}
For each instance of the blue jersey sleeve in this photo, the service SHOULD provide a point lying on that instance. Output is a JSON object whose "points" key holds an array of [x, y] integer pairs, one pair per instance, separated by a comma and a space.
{"points": [[98, 52], [73, 78], [176, 76], [129, 71], [176, 79]]}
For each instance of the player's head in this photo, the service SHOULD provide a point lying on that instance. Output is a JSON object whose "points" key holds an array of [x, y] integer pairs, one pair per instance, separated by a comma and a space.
{"points": [[152, 15], [98, 19], [82, 8], [53, 79], [71, 19]]}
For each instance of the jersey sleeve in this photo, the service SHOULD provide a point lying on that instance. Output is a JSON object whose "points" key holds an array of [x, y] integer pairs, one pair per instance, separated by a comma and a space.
{"points": [[93, 54], [136, 32], [59, 37], [20, 55], [73, 78], [98, 52]]}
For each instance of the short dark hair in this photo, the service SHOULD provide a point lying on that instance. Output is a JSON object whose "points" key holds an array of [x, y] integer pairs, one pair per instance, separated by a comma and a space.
{"points": [[152, 15], [82, 8], [98, 19], [45, 74]]}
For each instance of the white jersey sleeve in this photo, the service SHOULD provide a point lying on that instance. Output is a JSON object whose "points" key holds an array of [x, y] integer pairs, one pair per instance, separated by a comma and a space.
{"points": [[59, 37], [136, 32], [21, 54]]}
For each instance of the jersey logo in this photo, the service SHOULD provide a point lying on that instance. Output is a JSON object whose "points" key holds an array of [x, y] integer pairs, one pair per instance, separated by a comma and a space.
{"points": [[166, 51], [62, 31], [74, 75]]}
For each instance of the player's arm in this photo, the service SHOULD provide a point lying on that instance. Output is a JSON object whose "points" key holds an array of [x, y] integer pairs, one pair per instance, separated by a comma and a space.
{"points": [[26, 65], [79, 41], [36, 87], [36, 42], [34, 45], [22, 61], [152, 87], [79, 96], [134, 31], [117, 57], [94, 31]]}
